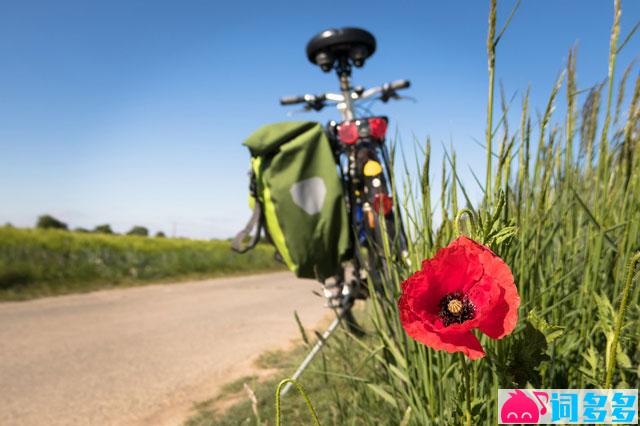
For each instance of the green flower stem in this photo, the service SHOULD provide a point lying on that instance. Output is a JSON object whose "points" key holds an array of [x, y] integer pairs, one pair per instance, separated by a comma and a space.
{"points": [[467, 388], [631, 267], [491, 59], [298, 386], [472, 218]]}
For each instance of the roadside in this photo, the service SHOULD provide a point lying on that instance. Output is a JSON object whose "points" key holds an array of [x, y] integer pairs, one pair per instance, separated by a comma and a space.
{"points": [[233, 404], [237, 404], [142, 355]]}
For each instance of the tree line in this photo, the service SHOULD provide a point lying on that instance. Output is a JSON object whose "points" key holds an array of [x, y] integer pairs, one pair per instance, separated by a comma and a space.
{"points": [[47, 221]]}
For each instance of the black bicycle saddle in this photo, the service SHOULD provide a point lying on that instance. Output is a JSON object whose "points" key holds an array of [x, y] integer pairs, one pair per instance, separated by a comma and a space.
{"points": [[345, 45]]}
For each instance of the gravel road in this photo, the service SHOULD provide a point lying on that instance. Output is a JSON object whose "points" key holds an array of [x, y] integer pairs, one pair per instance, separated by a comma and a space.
{"points": [[141, 355]]}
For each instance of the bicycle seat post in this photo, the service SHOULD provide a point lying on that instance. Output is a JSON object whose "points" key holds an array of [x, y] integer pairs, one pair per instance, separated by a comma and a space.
{"points": [[343, 70]]}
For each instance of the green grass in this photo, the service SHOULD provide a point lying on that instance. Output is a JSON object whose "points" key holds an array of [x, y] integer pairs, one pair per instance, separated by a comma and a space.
{"points": [[237, 385], [561, 206], [36, 263]]}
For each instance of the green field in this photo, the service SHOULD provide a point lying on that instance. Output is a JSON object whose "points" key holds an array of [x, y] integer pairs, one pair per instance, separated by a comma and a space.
{"points": [[36, 262]]}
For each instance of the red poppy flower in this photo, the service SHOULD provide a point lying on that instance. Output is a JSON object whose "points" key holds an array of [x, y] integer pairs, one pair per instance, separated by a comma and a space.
{"points": [[465, 286]]}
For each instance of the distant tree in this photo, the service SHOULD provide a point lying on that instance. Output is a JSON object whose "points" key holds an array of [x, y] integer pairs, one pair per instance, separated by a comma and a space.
{"points": [[139, 231], [81, 230], [47, 221], [9, 225], [103, 229], [160, 234]]}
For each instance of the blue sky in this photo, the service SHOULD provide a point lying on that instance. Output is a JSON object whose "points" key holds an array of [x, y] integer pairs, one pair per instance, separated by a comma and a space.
{"points": [[131, 112]]}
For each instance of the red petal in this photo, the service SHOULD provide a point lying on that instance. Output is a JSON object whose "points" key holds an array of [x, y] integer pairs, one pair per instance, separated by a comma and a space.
{"points": [[467, 343], [502, 316], [484, 295], [464, 342], [455, 268], [421, 292]]}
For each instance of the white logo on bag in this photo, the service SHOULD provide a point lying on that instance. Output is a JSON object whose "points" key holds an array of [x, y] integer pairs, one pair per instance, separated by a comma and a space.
{"points": [[309, 194]]}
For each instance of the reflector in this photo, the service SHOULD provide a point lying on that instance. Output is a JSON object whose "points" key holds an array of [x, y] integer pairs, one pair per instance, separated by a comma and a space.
{"points": [[382, 203], [348, 132], [377, 127]]}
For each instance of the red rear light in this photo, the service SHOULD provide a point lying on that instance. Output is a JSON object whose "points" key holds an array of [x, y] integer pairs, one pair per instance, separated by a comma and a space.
{"points": [[382, 203], [377, 127], [348, 132]]}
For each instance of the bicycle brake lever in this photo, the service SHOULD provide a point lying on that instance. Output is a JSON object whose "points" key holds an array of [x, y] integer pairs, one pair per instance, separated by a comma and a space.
{"points": [[388, 93], [394, 95], [408, 98], [316, 105]]}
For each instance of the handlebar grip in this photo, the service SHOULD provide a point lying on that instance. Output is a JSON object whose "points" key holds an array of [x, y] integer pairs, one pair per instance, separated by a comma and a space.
{"points": [[399, 84], [292, 100]]}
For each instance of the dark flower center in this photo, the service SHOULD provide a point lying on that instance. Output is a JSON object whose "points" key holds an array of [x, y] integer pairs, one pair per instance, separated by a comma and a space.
{"points": [[456, 308]]}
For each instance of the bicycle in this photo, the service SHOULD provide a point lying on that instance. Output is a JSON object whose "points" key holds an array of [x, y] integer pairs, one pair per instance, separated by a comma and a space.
{"points": [[363, 160]]}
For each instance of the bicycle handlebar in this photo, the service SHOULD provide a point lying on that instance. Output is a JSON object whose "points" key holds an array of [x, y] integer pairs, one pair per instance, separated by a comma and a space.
{"points": [[292, 100], [399, 84], [316, 102]]}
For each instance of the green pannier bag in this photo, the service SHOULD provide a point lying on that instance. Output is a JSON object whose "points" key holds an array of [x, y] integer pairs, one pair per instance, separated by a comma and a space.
{"points": [[296, 195]]}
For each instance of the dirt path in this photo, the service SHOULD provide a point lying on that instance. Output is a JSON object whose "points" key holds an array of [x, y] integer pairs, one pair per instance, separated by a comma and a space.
{"points": [[141, 355]]}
